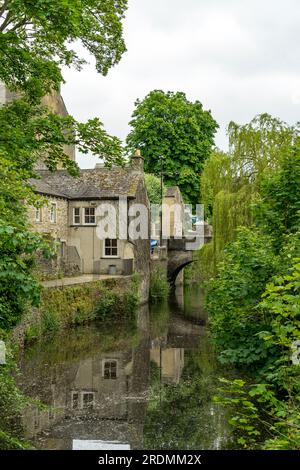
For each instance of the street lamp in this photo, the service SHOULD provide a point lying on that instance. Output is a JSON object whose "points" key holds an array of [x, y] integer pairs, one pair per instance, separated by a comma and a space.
{"points": [[161, 197]]}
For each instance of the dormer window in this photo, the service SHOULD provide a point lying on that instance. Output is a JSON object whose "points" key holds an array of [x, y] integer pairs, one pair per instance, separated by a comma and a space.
{"points": [[89, 216]]}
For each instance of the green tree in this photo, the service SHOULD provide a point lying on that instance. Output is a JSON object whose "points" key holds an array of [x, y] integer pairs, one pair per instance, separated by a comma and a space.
{"points": [[153, 185], [168, 125], [36, 39], [258, 146], [278, 210]]}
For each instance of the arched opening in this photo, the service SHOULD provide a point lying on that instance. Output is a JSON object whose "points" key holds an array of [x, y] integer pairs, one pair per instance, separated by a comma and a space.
{"points": [[172, 275]]}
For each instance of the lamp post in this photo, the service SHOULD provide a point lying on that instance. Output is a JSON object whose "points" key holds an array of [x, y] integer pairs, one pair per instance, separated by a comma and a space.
{"points": [[161, 197]]}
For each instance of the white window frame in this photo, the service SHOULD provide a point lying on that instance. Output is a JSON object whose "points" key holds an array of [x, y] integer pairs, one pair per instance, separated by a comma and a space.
{"points": [[53, 220], [75, 392], [89, 208], [118, 249], [81, 394], [38, 215], [82, 401], [74, 216], [103, 368]]}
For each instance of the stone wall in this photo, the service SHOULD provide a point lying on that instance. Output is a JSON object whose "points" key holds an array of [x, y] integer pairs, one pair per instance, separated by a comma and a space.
{"points": [[53, 231], [69, 306]]}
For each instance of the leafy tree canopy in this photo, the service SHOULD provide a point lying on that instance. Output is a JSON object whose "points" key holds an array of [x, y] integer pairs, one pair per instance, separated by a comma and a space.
{"points": [[37, 37], [153, 185], [168, 125]]}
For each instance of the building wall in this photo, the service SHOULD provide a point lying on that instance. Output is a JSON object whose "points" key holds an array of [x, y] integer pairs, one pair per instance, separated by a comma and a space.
{"points": [[54, 231], [90, 247], [58, 230]]}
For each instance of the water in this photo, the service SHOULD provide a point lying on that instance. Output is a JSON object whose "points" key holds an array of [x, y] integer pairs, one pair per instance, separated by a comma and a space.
{"points": [[148, 385]]}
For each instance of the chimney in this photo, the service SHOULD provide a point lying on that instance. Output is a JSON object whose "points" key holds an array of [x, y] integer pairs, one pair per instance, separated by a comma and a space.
{"points": [[137, 161]]}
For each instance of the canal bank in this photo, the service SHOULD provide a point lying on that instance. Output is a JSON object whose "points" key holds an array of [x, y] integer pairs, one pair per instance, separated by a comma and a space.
{"points": [[146, 383], [76, 301]]}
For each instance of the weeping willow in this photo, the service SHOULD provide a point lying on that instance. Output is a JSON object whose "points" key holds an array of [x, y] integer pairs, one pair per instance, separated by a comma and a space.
{"points": [[230, 183], [230, 211]]}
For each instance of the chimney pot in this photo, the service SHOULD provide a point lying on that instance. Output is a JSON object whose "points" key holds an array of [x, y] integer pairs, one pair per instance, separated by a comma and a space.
{"points": [[137, 161]]}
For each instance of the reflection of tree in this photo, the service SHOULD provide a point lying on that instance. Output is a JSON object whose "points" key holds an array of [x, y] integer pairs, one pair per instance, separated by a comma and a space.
{"points": [[184, 416]]}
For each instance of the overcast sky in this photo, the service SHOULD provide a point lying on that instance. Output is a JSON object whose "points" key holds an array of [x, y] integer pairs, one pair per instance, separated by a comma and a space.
{"points": [[238, 57]]}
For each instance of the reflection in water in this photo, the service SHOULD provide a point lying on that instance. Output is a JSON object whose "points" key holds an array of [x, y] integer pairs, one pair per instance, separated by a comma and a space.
{"points": [[148, 385]]}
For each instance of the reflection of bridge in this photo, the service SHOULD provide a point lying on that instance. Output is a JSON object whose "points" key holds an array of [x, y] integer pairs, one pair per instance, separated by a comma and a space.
{"points": [[180, 253]]}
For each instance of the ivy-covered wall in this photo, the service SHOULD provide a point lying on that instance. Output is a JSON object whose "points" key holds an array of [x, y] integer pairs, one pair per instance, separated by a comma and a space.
{"points": [[69, 306]]}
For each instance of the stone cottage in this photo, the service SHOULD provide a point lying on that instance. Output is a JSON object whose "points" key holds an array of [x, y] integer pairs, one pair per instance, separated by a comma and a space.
{"points": [[70, 218], [69, 215]]}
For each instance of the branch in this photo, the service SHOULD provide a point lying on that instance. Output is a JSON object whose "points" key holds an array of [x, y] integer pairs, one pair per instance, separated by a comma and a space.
{"points": [[4, 7], [19, 25], [6, 22]]}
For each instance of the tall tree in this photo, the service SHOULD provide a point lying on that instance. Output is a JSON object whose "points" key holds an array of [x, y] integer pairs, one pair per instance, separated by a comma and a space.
{"points": [[36, 39], [182, 132]]}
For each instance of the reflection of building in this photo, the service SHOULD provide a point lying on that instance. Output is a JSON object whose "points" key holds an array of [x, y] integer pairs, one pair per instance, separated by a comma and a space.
{"points": [[101, 396], [95, 398], [171, 363]]}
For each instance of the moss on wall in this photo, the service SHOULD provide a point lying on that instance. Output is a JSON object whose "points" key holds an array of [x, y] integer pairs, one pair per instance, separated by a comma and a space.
{"points": [[75, 305]]}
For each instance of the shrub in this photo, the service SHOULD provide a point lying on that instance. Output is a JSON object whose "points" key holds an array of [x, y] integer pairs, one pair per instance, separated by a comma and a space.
{"points": [[159, 286]]}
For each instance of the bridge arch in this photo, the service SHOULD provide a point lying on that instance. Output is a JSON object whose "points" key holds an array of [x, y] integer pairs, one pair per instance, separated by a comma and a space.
{"points": [[178, 258]]}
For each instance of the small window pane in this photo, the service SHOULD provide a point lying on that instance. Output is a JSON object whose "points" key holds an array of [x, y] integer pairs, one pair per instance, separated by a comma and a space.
{"points": [[76, 215], [88, 400], [75, 401], [89, 215], [110, 370], [111, 247]]}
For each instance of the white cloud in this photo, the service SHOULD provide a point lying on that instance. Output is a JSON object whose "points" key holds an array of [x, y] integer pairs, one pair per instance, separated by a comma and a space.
{"points": [[238, 58]]}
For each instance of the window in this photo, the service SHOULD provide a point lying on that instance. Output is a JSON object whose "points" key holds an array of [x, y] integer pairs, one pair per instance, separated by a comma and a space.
{"points": [[76, 215], [38, 214], [111, 247], [109, 369], [75, 400], [89, 215], [87, 400], [53, 211], [82, 400]]}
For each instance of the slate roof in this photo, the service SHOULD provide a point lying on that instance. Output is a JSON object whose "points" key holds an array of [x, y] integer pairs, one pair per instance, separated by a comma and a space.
{"points": [[99, 183]]}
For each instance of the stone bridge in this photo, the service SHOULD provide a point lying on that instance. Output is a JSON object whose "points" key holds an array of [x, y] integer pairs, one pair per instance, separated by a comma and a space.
{"points": [[180, 256]]}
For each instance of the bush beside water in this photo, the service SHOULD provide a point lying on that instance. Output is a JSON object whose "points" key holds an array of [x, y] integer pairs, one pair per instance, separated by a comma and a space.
{"points": [[76, 305], [159, 285]]}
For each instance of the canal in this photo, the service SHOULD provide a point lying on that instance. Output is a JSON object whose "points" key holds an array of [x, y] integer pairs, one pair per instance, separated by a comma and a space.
{"points": [[145, 385]]}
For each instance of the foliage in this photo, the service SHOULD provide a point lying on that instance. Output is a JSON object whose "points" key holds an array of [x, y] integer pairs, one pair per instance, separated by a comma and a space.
{"points": [[183, 415], [248, 265], [278, 211], [217, 176], [77, 305], [36, 38], [153, 185], [35, 42], [231, 184], [159, 285], [12, 403], [256, 148], [253, 301], [203, 267], [168, 125]]}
